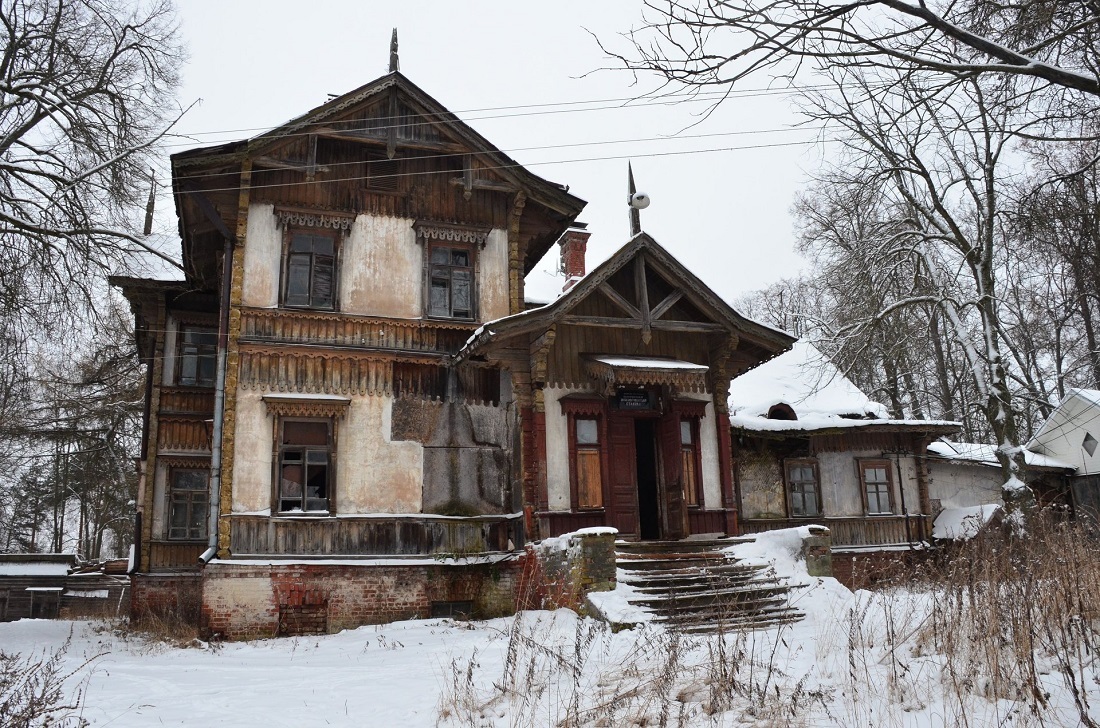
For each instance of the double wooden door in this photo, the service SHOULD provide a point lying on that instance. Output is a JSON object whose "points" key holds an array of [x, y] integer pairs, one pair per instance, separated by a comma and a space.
{"points": [[646, 485]]}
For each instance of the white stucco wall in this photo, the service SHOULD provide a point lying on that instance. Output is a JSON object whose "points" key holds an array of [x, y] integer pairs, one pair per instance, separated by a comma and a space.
{"points": [[373, 474], [708, 450], [557, 448], [841, 489], [380, 268], [263, 252], [1064, 433], [493, 277], [958, 486]]}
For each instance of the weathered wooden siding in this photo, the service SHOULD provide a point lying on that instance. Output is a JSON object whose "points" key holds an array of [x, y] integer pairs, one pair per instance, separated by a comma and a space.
{"points": [[374, 536], [858, 531]]}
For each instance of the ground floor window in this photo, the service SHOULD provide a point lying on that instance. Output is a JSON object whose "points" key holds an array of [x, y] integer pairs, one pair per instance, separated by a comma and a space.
{"points": [[188, 490], [877, 482], [803, 492], [690, 461], [305, 465]]}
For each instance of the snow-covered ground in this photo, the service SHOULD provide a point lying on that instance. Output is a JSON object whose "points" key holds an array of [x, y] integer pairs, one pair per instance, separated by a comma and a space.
{"points": [[906, 658]]}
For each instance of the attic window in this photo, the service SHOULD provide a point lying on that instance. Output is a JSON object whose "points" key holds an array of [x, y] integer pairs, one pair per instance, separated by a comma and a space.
{"points": [[1089, 443], [781, 412], [383, 174]]}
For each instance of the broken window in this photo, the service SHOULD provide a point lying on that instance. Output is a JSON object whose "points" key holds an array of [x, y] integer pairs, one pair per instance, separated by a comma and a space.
{"points": [[198, 356], [305, 465], [451, 281], [803, 492], [690, 460], [1089, 443], [187, 503], [310, 274], [875, 475]]}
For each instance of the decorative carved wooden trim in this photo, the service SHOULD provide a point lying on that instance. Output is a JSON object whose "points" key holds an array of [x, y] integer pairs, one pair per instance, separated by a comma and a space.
{"points": [[195, 462], [540, 355], [447, 232], [611, 377], [689, 407], [515, 255], [289, 216], [581, 405], [323, 373], [301, 407]]}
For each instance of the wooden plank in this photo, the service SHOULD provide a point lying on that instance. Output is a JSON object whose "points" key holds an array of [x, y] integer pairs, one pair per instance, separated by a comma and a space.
{"points": [[670, 300], [619, 301]]}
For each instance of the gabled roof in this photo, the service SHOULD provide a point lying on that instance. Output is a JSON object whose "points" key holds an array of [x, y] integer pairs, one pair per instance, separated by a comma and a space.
{"points": [[1059, 422], [464, 139], [699, 294]]}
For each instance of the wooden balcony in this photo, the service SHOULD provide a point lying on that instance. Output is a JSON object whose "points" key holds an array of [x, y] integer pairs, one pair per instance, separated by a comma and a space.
{"points": [[854, 530], [289, 326], [186, 400], [424, 535]]}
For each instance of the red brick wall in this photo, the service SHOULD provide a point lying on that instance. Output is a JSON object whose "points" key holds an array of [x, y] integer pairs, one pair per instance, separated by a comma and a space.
{"points": [[866, 569], [173, 597], [243, 601]]}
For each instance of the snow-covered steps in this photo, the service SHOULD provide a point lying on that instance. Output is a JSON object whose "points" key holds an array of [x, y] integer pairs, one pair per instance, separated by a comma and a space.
{"points": [[695, 586]]}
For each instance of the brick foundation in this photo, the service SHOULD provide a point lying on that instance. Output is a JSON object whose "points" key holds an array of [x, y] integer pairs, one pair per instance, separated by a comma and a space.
{"points": [[166, 597], [242, 601], [867, 569]]}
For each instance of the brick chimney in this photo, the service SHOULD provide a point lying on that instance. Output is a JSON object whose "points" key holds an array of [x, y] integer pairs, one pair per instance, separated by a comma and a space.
{"points": [[573, 245]]}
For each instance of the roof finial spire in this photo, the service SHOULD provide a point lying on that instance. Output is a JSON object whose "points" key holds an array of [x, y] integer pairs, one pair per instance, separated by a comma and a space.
{"points": [[395, 65], [637, 201]]}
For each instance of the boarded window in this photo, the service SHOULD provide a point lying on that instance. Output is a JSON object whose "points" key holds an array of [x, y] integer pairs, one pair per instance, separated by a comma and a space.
{"points": [[802, 490], [689, 461], [876, 485], [198, 356], [588, 463], [310, 271], [305, 455], [187, 504], [451, 282]]}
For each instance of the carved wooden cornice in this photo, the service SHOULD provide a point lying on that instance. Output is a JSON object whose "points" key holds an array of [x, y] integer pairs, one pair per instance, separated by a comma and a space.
{"points": [[451, 233], [305, 407], [195, 462], [341, 221], [282, 371], [611, 377], [580, 405]]}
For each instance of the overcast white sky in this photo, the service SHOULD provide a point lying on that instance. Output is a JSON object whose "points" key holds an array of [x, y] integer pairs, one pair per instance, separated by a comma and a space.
{"points": [[725, 214]]}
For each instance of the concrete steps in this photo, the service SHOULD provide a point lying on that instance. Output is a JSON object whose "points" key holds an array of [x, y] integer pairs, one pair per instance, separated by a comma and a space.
{"points": [[694, 587]]}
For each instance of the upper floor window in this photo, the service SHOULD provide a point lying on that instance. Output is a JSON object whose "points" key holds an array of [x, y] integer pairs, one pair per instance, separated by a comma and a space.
{"points": [[450, 268], [877, 482], [451, 289], [803, 492], [310, 276], [198, 356]]}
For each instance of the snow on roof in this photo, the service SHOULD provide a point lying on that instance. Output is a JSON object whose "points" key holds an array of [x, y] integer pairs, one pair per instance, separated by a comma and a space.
{"points": [[963, 524], [811, 423], [639, 362], [33, 569], [806, 381], [983, 454]]}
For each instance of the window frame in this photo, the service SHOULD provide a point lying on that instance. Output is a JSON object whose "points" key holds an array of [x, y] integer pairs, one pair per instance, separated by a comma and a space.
{"points": [[862, 466], [277, 460], [696, 452], [170, 502], [788, 489], [585, 409], [182, 329], [471, 250], [289, 234]]}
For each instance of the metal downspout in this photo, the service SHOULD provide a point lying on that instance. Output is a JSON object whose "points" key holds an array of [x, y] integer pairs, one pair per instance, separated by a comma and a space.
{"points": [[219, 408]]}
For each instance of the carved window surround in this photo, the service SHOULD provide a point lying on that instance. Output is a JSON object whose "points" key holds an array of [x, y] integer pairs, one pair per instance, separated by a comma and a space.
{"points": [[289, 406], [304, 217], [450, 233]]}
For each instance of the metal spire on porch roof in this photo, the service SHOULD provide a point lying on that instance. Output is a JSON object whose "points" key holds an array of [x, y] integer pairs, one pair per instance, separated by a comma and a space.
{"points": [[395, 64]]}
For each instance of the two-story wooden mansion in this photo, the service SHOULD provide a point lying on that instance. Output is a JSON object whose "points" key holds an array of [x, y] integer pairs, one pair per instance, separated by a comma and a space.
{"points": [[347, 386]]}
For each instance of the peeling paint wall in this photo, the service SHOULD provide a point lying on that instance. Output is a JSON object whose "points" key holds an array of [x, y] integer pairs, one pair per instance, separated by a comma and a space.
{"points": [[841, 489], [373, 474], [381, 267], [956, 486], [263, 253], [760, 475], [493, 277], [557, 448]]}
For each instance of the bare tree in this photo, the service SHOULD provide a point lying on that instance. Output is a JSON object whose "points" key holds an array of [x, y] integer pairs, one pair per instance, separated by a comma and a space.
{"points": [[86, 89], [709, 43]]}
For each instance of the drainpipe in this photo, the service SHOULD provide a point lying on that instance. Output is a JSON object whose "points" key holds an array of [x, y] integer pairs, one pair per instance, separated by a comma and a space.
{"points": [[219, 408]]}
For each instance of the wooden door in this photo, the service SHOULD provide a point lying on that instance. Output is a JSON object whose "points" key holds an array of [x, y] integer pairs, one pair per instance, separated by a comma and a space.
{"points": [[623, 506], [673, 508]]}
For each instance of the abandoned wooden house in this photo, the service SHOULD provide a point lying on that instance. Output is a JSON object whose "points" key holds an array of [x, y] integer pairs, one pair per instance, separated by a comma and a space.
{"points": [[353, 417]]}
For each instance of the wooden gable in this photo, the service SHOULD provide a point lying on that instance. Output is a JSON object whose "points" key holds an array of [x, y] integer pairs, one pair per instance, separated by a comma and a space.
{"points": [[386, 148]]}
